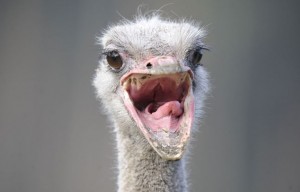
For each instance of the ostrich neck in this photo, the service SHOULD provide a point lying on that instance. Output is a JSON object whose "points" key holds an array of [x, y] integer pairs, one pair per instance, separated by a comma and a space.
{"points": [[142, 169]]}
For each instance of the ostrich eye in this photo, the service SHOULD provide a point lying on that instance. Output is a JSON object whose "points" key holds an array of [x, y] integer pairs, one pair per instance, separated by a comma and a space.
{"points": [[114, 59], [196, 57]]}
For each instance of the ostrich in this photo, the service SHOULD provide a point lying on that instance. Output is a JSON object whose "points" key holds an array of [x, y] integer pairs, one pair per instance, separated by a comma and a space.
{"points": [[152, 86]]}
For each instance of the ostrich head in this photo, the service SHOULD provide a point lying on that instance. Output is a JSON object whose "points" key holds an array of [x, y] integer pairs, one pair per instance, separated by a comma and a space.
{"points": [[150, 80]]}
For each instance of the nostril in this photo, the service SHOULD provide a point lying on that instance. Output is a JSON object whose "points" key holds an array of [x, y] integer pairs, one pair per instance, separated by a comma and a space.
{"points": [[149, 65]]}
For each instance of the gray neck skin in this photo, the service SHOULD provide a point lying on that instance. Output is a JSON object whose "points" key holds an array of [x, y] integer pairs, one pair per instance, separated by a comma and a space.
{"points": [[141, 169]]}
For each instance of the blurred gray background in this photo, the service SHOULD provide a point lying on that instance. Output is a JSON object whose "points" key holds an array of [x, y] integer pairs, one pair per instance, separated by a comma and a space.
{"points": [[53, 137]]}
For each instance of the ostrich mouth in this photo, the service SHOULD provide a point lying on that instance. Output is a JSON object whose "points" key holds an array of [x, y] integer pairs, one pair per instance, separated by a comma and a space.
{"points": [[162, 105]]}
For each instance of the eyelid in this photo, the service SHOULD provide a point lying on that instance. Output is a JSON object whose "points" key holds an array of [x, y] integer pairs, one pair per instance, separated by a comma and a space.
{"points": [[204, 47], [107, 51], [200, 48]]}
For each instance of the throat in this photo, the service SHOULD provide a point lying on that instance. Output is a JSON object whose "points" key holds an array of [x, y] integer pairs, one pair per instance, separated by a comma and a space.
{"points": [[142, 169]]}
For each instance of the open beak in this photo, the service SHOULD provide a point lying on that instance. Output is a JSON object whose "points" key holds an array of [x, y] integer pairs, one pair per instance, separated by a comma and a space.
{"points": [[160, 100]]}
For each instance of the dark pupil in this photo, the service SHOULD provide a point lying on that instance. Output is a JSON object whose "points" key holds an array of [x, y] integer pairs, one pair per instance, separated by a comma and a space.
{"points": [[114, 60], [196, 57]]}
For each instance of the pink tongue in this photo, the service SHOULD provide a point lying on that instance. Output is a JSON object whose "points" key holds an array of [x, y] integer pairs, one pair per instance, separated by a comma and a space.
{"points": [[171, 108]]}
